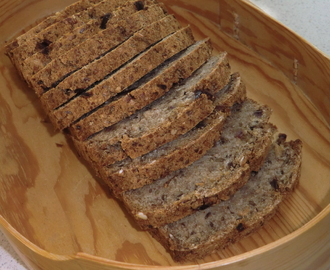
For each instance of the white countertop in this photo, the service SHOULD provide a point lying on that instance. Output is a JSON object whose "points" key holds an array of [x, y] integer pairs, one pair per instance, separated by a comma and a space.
{"points": [[308, 18]]}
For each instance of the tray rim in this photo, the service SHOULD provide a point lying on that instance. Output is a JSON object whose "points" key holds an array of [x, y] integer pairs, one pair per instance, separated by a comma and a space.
{"points": [[6, 227], [122, 265]]}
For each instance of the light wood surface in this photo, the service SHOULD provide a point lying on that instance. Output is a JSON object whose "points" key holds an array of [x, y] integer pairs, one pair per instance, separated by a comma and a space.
{"points": [[58, 215]]}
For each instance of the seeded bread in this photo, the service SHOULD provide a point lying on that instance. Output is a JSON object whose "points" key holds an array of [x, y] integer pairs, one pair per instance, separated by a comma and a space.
{"points": [[104, 41], [58, 16], [97, 70], [177, 154], [244, 143], [123, 78], [40, 59], [218, 226], [42, 40]]}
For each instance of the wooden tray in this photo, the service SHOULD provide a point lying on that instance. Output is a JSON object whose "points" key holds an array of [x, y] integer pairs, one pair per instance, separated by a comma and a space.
{"points": [[57, 215]]}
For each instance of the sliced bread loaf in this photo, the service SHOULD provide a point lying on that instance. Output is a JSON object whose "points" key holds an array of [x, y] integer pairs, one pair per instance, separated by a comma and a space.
{"points": [[104, 41], [243, 145], [122, 78], [246, 211], [79, 81], [179, 153], [58, 16], [40, 59], [146, 90]]}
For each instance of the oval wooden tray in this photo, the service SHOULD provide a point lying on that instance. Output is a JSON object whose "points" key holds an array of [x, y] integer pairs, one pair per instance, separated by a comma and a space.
{"points": [[57, 215]]}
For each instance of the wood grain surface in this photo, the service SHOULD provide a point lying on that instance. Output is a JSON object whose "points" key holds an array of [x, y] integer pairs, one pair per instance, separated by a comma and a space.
{"points": [[58, 215]]}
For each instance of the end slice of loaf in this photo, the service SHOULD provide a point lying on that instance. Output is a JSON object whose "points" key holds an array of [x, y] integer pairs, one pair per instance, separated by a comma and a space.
{"points": [[55, 71], [197, 235], [177, 154], [58, 16], [69, 40], [243, 145], [146, 90], [43, 39], [122, 78]]}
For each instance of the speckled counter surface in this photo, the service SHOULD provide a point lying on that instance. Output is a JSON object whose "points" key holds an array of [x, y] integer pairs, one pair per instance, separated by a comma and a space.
{"points": [[308, 18]]}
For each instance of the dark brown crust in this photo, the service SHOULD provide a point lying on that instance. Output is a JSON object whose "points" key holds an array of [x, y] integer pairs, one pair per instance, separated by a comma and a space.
{"points": [[142, 96], [96, 46]]}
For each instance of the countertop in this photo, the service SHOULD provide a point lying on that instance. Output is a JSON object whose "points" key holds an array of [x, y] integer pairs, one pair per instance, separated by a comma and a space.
{"points": [[308, 18]]}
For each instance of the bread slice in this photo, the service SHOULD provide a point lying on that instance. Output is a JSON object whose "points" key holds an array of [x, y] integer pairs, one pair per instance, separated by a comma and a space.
{"points": [[177, 154], [149, 88], [58, 16], [244, 143], [40, 59], [164, 120], [218, 226], [49, 35], [95, 47], [97, 70], [122, 78]]}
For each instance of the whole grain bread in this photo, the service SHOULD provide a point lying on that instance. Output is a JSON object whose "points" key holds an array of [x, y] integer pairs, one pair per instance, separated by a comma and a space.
{"points": [[166, 119], [41, 41], [40, 59], [95, 47], [216, 227], [243, 145], [122, 78], [49, 20], [79, 81], [146, 90], [179, 153]]}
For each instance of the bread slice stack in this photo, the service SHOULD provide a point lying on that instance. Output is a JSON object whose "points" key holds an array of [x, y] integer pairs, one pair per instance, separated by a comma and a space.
{"points": [[161, 119]]}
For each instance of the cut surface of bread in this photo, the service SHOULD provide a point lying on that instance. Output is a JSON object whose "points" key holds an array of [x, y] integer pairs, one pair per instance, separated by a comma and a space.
{"points": [[149, 88], [79, 81], [55, 71], [165, 119], [179, 153], [40, 59], [243, 145], [247, 210], [122, 78]]}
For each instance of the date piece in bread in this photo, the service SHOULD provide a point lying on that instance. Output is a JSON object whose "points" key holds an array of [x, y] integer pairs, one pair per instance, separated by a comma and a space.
{"points": [[149, 88], [97, 70], [244, 143], [95, 47], [216, 227], [174, 114], [58, 16], [124, 77], [179, 153], [40, 59]]}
